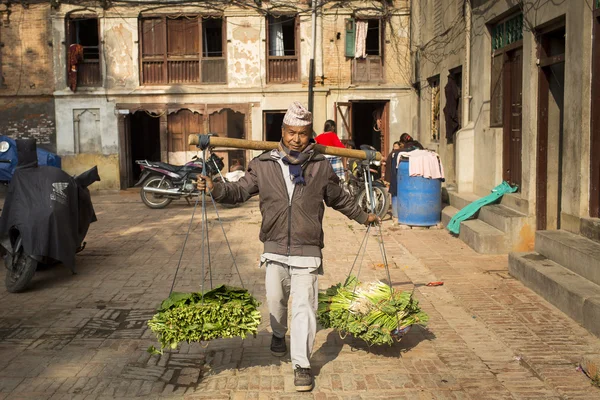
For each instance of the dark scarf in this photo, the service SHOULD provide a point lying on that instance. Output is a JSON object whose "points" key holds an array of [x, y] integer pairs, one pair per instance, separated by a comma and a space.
{"points": [[296, 160]]}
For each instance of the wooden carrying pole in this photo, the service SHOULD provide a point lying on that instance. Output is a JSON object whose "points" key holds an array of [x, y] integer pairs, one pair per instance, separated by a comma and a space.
{"points": [[225, 142]]}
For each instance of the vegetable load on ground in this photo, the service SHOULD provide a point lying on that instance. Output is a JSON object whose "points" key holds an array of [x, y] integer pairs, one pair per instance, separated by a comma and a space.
{"points": [[373, 312], [223, 312]]}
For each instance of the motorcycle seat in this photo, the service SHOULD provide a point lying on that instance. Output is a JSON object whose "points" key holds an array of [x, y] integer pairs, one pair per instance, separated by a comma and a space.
{"points": [[168, 167]]}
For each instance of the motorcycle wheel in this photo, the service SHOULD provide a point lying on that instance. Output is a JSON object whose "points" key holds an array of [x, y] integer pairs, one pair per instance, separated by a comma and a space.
{"points": [[19, 275], [156, 201], [382, 203]]}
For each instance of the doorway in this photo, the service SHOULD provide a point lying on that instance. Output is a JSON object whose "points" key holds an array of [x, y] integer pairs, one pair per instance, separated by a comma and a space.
{"points": [[228, 123], [143, 142], [551, 76], [513, 111], [595, 131], [369, 124]]}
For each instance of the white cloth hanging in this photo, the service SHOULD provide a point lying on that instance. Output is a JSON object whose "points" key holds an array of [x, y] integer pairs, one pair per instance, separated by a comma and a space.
{"points": [[276, 38], [360, 49]]}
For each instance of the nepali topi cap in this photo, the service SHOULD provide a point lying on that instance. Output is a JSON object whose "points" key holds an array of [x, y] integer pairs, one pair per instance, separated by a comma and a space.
{"points": [[297, 115]]}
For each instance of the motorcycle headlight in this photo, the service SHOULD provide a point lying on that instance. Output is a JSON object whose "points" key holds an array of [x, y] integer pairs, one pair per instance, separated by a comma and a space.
{"points": [[4, 146]]}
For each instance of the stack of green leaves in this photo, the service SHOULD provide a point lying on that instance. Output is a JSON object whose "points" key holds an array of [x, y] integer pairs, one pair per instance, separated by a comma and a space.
{"points": [[222, 312], [373, 312]]}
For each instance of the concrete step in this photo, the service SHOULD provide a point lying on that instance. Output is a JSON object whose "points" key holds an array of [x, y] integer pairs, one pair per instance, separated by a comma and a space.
{"points": [[515, 202], [502, 218], [574, 252], [483, 238], [447, 214], [461, 200], [572, 294], [590, 228]]}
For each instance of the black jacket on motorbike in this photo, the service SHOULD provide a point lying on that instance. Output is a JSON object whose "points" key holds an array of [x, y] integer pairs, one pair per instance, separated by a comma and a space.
{"points": [[50, 209]]}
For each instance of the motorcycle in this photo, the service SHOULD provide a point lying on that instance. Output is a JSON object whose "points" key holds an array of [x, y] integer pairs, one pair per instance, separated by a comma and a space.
{"points": [[358, 187], [162, 183], [45, 218]]}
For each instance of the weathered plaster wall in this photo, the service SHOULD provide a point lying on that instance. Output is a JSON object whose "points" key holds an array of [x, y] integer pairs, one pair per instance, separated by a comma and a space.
{"points": [[246, 51], [87, 134], [437, 55], [121, 52], [488, 141]]}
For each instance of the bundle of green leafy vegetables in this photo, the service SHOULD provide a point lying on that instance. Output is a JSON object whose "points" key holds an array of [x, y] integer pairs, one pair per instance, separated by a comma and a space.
{"points": [[373, 312], [222, 312]]}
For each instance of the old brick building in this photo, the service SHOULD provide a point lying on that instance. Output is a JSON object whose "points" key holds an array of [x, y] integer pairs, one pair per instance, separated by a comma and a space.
{"points": [[26, 71], [144, 77]]}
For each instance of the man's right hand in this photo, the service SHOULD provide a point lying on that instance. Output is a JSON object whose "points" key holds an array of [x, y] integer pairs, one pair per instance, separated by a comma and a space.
{"points": [[205, 183]]}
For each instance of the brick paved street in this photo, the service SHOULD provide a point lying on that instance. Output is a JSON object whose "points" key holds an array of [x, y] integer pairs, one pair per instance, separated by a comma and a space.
{"points": [[85, 336]]}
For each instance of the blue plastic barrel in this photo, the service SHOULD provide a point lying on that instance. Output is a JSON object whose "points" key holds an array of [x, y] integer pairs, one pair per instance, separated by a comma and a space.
{"points": [[419, 199]]}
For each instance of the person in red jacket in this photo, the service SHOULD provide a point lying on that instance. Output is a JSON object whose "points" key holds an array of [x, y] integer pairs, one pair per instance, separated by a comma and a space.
{"points": [[329, 137]]}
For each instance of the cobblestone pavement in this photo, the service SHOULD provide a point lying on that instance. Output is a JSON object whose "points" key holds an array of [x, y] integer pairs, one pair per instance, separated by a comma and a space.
{"points": [[85, 336]]}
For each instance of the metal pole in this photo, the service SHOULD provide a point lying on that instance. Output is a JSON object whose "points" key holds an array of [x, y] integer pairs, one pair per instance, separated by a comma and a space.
{"points": [[311, 71]]}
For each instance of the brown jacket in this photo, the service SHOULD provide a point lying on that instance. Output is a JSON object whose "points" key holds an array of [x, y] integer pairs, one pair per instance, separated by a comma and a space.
{"points": [[291, 226]]}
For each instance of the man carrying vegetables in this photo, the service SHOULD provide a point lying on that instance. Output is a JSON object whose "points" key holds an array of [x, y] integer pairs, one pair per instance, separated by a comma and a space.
{"points": [[294, 183]]}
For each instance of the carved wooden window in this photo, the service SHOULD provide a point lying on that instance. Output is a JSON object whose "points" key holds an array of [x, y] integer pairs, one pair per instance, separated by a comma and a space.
{"points": [[283, 54], [182, 50], [84, 31], [434, 90], [364, 43]]}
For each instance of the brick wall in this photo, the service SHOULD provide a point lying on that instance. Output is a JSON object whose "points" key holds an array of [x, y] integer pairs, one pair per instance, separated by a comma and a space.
{"points": [[27, 64], [29, 118], [26, 102]]}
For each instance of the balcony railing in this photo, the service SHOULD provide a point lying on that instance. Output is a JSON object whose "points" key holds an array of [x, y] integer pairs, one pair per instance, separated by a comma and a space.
{"points": [[88, 70], [367, 70], [283, 69], [214, 70], [183, 71]]}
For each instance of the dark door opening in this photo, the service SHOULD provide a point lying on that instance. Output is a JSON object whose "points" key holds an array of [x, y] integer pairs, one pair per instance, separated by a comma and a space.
{"points": [[272, 123], [550, 130], [595, 134], [513, 109], [144, 134], [370, 125], [228, 123]]}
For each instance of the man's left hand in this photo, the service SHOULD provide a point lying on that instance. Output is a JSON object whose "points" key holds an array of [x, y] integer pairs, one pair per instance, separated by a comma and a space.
{"points": [[373, 220]]}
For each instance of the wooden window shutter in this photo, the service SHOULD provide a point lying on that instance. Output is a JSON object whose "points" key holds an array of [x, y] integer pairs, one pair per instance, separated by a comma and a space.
{"points": [[350, 37]]}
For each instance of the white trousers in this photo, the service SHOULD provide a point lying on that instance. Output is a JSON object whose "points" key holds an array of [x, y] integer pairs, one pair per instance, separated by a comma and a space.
{"points": [[282, 280]]}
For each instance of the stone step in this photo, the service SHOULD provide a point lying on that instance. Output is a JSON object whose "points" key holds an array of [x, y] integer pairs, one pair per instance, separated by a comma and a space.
{"points": [[574, 252], [502, 218], [461, 200], [515, 202], [483, 238], [571, 293], [447, 214], [590, 228]]}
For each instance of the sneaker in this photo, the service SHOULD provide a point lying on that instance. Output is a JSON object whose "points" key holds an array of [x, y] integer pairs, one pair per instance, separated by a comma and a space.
{"points": [[278, 347], [303, 379]]}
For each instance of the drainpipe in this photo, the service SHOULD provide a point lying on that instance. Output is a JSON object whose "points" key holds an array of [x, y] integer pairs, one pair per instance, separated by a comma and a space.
{"points": [[311, 72], [466, 117]]}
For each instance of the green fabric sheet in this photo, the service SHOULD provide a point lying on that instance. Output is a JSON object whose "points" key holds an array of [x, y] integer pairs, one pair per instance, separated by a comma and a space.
{"points": [[471, 209]]}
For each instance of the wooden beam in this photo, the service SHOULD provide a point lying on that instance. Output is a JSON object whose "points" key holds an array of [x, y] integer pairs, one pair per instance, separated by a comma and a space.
{"points": [[224, 142]]}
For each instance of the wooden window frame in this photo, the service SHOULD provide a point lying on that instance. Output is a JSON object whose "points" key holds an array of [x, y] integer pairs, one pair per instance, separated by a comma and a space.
{"points": [[297, 50], [2, 85], [69, 25], [500, 52], [431, 80], [165, 57], [370, 58]]}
